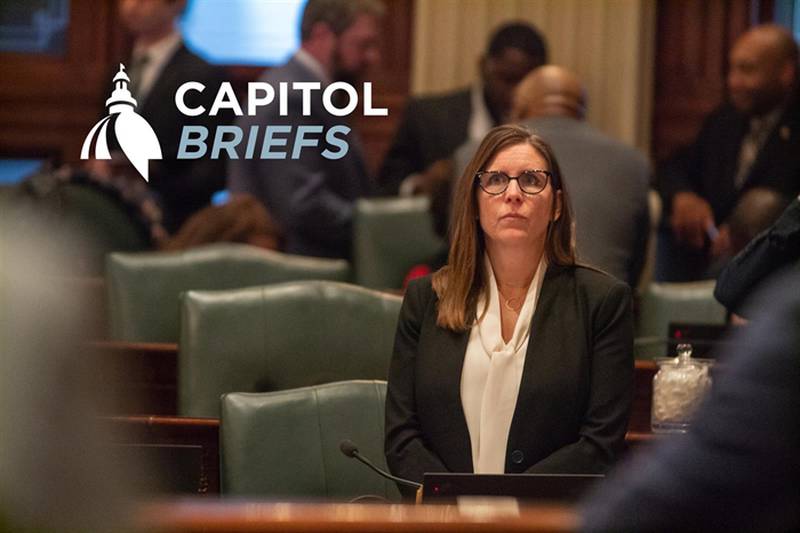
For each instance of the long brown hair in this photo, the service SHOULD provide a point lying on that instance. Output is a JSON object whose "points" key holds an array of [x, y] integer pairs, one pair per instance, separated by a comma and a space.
{"points": [[459, 284]]}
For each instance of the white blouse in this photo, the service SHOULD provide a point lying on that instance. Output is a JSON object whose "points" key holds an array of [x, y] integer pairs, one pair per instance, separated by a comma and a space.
{"points": [[492, 372]]}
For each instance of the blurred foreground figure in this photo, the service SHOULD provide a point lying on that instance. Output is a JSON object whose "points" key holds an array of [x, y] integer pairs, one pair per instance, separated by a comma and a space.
{"points": [[55, 469], [738, 469], [769, 252]]}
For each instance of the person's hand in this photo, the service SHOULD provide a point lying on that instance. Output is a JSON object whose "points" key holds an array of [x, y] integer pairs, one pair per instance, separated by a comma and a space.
{"points": [[99, 167], [736, 320], [691, 218], [721, 246], [429, 179]]}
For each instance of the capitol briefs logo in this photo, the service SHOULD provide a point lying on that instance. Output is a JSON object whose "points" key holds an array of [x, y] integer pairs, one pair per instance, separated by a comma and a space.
{"points": [[286, 139], [134, 135]]}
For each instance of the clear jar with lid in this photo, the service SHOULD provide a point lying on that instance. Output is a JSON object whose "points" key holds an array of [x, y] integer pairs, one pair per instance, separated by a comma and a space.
{"points": [[679, 387]]}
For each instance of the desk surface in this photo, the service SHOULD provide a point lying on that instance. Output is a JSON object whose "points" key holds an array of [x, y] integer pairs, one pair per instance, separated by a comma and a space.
{"points": [[240, 516]]}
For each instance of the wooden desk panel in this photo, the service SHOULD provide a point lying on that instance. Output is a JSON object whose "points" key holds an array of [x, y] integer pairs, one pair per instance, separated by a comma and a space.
{"points": [[237, 516], [642, 396], [145, 380], [175, 437], [142, 378]]}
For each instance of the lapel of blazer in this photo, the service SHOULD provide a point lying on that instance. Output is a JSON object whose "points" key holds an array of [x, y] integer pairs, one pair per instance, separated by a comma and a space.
{"points": [[162, 91], [730, 158], [774, 148], [537, 364]]}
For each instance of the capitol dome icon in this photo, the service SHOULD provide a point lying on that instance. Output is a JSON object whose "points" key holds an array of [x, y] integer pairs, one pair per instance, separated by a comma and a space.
{"points": [[134, 135]]}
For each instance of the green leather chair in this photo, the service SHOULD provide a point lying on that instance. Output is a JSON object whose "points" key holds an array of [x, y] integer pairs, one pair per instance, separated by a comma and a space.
{"points": [[286, 444], [143, 288], [663, 303], [279, 337], [391, 235]]}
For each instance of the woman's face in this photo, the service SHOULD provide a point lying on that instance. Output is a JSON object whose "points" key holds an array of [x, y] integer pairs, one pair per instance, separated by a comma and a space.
{"points": [[515, 217]]}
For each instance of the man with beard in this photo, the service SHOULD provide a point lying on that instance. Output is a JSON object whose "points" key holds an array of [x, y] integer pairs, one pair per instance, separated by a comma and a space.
{"points": [[311, 197], [751, 141]]}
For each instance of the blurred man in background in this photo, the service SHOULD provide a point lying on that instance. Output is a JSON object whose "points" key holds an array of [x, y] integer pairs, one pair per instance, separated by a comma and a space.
{"points": [[434, 126], [751, 141], [311, 197]]}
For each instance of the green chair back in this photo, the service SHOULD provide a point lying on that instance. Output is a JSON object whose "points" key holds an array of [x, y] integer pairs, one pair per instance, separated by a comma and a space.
{"points": [[663, 303], [279, 337], [391, 235], [143, 288], [286, 444]]}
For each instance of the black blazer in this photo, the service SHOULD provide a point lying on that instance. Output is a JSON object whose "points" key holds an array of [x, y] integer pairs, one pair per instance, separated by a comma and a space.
{"points": [[185, 185], [311, 198], [708, 166], [576, 391]]}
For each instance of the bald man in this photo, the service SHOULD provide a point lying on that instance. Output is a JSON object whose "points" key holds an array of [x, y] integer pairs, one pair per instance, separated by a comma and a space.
{"points": [[607, 181], [752, 140]]}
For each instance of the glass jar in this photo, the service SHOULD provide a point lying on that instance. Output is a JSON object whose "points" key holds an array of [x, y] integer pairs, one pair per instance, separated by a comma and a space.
{"points": [[679, 387]]}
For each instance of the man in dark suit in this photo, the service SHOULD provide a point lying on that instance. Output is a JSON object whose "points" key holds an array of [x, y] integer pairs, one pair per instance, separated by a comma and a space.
{"points": [[160, 63], [738, 469], [312, 197], [751, 141], [434, 126]]}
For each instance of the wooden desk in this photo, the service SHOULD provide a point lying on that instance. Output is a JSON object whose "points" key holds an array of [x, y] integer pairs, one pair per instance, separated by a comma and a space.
{"points": [[146, 377], [181, 438], [176, 441], [642, 396], [236, 516], [142, 378]]}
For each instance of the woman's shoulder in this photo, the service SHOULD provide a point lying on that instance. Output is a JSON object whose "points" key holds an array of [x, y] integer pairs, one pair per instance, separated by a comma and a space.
{"points": [[594, 281], [420, 288]]}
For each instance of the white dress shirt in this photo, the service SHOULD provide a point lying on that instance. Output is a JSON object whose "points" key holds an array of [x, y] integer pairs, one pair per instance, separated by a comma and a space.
{"points": [[311, 63], [158, 55], [492, 372], [480, 120]]}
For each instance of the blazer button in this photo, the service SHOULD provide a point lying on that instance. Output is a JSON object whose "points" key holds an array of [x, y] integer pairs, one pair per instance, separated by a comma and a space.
{"points": [[517, 457]]}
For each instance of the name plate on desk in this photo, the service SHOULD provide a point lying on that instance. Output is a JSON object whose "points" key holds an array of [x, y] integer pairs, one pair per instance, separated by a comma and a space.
{"points": [[562, 488]]}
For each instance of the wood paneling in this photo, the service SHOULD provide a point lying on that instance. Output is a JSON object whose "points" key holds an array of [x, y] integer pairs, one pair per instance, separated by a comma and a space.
{"points": [[390, 80], [48, 103], [693, 41]]}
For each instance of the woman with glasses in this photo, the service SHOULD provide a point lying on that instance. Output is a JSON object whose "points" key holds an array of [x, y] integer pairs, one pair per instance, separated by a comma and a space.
{"points": [[511, 358]]}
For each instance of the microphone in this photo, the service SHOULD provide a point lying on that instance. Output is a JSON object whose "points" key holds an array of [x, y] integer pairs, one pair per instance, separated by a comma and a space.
{"points": [[351, 450]]}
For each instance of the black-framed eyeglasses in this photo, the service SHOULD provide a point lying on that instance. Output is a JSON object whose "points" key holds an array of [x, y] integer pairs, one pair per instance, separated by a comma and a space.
{"points": [[530, 181]]}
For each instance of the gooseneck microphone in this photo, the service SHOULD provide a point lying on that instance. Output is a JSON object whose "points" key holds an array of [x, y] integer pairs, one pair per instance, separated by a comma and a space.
{"points": [[351, 450]]}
